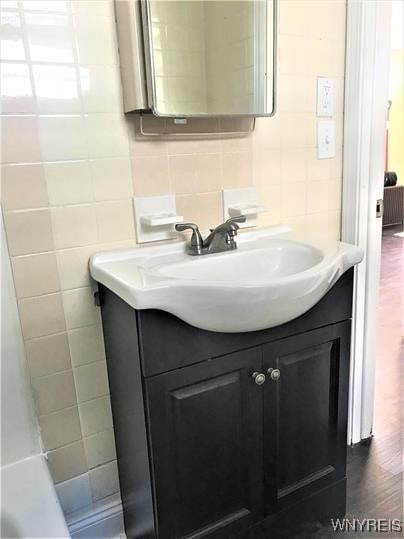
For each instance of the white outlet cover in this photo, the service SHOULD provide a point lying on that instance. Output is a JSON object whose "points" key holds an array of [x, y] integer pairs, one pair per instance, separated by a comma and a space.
{"points": [[325, 139], [325, 97]]}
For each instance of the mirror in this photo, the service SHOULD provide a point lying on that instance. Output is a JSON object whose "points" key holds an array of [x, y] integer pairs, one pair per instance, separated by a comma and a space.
{"points": [[211, 57]]}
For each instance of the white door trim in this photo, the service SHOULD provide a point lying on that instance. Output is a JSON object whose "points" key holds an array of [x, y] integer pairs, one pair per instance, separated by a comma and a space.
{"points": [[366, 95]]}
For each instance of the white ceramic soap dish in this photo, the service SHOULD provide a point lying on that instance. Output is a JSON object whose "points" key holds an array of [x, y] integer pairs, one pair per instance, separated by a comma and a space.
{"points": [[155, 218], [242, 201]]}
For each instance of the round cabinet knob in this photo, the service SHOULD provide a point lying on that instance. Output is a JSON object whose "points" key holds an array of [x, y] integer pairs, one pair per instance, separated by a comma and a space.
{"points": [[259, 378], [275, 374]]}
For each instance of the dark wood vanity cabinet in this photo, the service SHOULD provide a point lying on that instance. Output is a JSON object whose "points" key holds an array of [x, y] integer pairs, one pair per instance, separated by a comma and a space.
{"points": [[206, 446], [305, 414], [203, 449]]}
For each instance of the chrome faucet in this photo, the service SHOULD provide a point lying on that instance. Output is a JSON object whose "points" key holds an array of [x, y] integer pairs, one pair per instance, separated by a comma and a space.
{"points": [[221, 238]]}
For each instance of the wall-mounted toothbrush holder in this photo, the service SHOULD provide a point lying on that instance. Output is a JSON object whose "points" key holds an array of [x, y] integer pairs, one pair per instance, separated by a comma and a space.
{"points": [[242, 201], [155, 218]]}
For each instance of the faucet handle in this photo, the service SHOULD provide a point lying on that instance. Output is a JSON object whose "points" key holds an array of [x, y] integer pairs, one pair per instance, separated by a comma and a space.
{"points": [[237, 219], [196, 239]]}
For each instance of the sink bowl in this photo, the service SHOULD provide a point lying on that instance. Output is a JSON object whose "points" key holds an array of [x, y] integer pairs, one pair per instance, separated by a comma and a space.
{"points": [[269, 280], [279, 259]]}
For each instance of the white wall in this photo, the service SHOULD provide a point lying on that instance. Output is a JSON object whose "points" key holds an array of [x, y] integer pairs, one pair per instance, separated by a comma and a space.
{"points": [[19, 430]]}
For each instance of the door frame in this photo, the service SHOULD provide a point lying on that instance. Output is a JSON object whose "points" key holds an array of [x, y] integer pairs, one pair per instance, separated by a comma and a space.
{"points": [[366, 96]]}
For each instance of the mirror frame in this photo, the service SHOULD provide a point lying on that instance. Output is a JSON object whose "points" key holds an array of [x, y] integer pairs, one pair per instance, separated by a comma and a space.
{"points": [[151, 83]]}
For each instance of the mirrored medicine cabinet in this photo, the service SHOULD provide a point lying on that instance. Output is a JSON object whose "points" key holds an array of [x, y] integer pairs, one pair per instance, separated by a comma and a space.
{"points": [[198, 58]]}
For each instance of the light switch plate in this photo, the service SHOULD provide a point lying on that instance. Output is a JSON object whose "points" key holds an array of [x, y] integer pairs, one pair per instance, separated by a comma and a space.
{"points": [[325, 97], [325, 139]]}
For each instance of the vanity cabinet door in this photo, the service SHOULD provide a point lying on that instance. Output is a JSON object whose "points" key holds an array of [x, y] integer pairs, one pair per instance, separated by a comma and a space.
{"points": [[205, 428], [305, 414]]}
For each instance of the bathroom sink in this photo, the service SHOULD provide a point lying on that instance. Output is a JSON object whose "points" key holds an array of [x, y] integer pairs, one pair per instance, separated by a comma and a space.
{"points": [[279, 259], [271, 278]]}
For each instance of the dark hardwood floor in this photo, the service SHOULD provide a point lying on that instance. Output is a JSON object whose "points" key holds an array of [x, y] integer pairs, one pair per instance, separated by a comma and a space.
{"points": [[375, 469]]}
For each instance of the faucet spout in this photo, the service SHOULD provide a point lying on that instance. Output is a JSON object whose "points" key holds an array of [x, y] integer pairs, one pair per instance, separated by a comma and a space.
{"points": [[219, 240]]}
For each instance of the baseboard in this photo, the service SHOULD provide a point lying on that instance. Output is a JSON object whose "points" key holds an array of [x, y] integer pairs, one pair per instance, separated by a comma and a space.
{"points": [[102, 520]]}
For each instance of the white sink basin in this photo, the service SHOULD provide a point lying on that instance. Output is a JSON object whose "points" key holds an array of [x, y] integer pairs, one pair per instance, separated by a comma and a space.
{"points": [[279, 259], [270, 279]]}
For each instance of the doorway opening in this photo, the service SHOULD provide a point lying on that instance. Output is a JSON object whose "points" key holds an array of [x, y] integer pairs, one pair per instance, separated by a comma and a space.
{"points": [[387, 443]]}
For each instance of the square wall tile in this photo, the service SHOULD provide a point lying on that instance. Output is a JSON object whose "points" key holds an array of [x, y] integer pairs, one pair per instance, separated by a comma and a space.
{"points": [[62, 137], [293, 54], [317, 169], [237, 169], [208, 168], [23, 187], [182, 169], [267, 134], [74, 493], [16, 89], [180, 146], [106, 135], [56, 88], [115, 221], [150, 176], [195, 173], [50, 38], [46, 6], [104, 480], [293, 199], [95, 39], [101, 88], [91, 381], [67, 462], [68, 182], [291, 16], [42, 315], [23, 129], [48, 355], [28, 232], [336, 163], [266, 167], [293, 165], [298, 130], [270, 197], [112, 178], [73, 266], [294, 93], [79, 308], [86, 345], [100, 448], [60, 428], [204, 209], [316, 225], [317, 197], [93, 7], [334, 224], [74, 226], [54, 392], [334, 195], [12, 45], [35, 275], [95, 415]]}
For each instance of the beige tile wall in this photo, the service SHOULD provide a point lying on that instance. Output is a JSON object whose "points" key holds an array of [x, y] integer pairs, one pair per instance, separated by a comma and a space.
{"points": [[70, 165]]}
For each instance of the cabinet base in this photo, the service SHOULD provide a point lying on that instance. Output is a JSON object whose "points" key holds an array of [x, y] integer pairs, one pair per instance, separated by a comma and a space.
{"points": [[300, 519]]}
